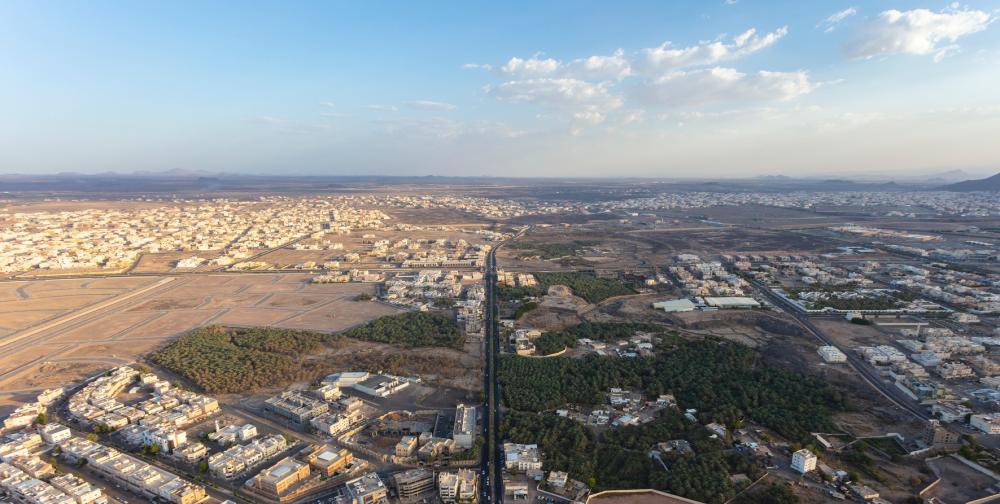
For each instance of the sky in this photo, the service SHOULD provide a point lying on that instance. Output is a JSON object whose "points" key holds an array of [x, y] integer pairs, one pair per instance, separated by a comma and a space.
{"points": [[713, 88]]}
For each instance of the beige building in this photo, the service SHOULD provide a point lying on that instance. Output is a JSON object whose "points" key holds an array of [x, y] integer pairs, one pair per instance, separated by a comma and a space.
{"points": [[458, 487], [406, 446], [277, 479], [413, 483], [328, 460]]}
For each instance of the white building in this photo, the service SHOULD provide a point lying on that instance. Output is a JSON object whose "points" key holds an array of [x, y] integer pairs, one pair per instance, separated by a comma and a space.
{"points": [[831, 353], [55, 433], [464, 432], [331, 424], [986, 422], [347, 379], [381, 386], [803, 461], [675, 305], [458, 487], [81, 491], [732, 302], [231, 434], [521, 457]]}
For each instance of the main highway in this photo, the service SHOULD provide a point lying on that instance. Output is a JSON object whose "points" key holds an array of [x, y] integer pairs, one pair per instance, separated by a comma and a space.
{"points": [[492, 454]]}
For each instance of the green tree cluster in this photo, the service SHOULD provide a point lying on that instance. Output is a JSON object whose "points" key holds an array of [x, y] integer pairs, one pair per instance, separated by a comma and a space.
{"points": [[552, 250], [226, 360], [411, 329], [511, 293], [585, 285], [555, 341], [724, 381], [621, 458], [524, 308]]}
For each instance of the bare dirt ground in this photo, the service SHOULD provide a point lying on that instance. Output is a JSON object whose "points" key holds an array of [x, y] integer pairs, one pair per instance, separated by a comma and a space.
{"points": [[24, 304], [959, 482], [163, 262], [613, 248], [76, 205], [764, 216], [438, 366], [869, 414], [727, 240], [853, 335], [557, 309], [90, 323]]}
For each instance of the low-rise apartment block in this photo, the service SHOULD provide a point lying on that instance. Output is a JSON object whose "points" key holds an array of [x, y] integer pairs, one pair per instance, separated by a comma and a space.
{"points": [[367, 489], [413, 484], [277, 479], [296, 407], [988, 423], [81, 491], [238, 459], [521, 457], [132, 473], [464, 432], [28, 490], [328, 460], [458, 487], [803, 461]]}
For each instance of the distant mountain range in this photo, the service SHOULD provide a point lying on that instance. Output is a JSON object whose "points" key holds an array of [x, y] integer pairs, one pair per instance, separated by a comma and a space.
{"points": [[986, 184]]}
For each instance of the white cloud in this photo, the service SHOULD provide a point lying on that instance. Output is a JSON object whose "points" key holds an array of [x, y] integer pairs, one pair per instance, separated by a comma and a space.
{"points": [[590, 91], [328, 104], [477, 66], [714, 85], [382, 108], [430, 105], [559, 93], [667, 58], [600, 68], [531, 67], [444, 128], [918, 31], [836, 18], [596, 68]]}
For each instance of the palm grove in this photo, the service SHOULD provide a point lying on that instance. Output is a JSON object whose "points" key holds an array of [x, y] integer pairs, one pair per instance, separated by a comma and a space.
{"points": [[725, 382]]}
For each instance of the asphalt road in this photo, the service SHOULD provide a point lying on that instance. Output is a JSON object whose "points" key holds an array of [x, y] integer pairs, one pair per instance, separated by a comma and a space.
{"points": [[491, 465]]}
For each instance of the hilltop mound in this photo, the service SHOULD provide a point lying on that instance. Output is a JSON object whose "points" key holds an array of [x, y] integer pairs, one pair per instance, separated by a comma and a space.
{"points": [[986, 184]]}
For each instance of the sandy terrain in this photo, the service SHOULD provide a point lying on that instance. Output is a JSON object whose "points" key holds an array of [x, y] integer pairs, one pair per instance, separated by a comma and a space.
{"points": [[253, 316], [72, 327], [17, 320], [339, 315], [959, 482], [616, 249], [163, 262]]}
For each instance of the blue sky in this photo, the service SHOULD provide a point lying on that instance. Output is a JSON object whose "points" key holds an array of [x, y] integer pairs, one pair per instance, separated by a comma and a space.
{"points": [[662, 89]]}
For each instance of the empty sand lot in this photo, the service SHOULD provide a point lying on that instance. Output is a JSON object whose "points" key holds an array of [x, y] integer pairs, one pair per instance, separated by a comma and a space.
{"points": [[53, 332]]}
